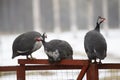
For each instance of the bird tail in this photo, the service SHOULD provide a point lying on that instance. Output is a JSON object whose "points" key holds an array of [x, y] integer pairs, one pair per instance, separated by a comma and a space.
{"points": [[101, 55], [13, 56]]}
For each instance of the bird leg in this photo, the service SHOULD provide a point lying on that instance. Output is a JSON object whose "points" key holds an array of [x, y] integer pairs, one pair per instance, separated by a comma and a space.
{"points": [[100, 61], [32, 57], [90, 61], [95, 61], [27, 57]]}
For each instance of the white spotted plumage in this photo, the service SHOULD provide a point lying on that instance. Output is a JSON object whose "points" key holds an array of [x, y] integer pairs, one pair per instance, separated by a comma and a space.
{"points": [[54, 54]]}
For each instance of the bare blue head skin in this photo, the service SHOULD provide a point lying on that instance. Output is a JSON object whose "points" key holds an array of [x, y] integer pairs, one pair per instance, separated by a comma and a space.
{"points": [[99, 21]]}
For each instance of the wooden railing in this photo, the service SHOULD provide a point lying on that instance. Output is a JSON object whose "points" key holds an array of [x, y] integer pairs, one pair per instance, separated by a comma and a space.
{"points": [[90, 69]]}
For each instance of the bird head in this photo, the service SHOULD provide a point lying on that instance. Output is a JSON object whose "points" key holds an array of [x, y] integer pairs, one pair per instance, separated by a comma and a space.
{"points": [[44, 36], [100, 20]]}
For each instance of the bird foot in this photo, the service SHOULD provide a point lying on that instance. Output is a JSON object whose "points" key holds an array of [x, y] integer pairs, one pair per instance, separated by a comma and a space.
{"points": [[93, 61], [97, 62], [100, 62], [31, 58]]}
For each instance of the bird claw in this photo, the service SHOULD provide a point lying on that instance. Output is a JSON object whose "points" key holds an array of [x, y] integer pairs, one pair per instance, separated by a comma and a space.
{"points": [[30, 57], [33, 58], [99, 62], [95, 62]]}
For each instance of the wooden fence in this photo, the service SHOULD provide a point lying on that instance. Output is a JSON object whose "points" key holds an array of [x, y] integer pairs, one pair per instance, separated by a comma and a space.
{"points": [[90, 69]]}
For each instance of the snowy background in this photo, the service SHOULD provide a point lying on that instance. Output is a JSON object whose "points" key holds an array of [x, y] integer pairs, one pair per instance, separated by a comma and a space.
{"points": [[76, 40], [61, 19]]}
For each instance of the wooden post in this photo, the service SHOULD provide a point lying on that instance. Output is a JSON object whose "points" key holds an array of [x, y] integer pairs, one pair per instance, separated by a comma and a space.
{"points": [[82, 73], [21, 72], [92, 73]]}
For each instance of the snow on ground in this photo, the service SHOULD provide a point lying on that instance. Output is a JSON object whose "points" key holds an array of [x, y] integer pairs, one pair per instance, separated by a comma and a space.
{"points": [[75, 39]]}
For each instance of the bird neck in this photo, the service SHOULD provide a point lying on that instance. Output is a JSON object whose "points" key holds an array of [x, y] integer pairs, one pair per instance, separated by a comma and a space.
{"points": [[97, 28], [44, 42]]}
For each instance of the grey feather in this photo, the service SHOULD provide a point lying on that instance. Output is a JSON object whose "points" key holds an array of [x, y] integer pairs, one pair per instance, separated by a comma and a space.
{"points": [[57, 50], [95, 44], [25, 44]]}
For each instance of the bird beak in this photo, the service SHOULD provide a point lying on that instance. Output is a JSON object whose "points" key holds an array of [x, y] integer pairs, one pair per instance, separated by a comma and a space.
{"points": [[38, 39], [102, 19]]}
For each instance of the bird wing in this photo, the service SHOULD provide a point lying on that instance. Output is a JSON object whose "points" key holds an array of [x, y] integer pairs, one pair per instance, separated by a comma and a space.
{"points": [[24, 43], [62, 46], [96, 44]]}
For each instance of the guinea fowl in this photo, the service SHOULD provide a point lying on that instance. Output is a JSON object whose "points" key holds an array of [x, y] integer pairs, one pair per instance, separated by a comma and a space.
{"points": [[57, 50], [26, 43], [95, 44]]}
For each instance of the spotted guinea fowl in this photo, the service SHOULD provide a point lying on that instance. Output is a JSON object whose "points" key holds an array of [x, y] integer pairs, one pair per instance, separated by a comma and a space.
{"points": [[26, 43], [95, 44], [57, 50]]}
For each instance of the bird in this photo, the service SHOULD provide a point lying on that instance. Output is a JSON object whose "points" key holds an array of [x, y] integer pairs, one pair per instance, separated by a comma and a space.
{"points": [[26, 43], [57, 50], [95, 44]]}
